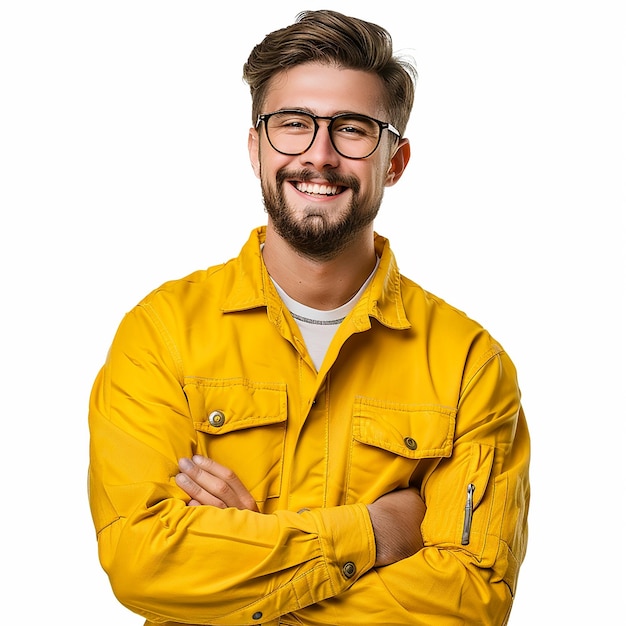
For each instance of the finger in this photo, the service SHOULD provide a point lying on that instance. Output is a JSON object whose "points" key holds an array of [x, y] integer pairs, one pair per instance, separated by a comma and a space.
{"points": [[232, 484], [198, 494], [213, 484]]}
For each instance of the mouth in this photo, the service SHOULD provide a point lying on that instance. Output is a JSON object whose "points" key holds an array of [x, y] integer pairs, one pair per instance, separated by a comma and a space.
{"points": [[318, 189]]}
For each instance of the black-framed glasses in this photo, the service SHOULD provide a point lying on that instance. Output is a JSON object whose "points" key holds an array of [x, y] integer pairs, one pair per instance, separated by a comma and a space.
{"points": [[353, 135]]}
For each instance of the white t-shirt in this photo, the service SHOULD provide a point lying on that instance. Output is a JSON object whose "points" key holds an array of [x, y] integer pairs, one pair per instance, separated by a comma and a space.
{"points": [[318, 327]]}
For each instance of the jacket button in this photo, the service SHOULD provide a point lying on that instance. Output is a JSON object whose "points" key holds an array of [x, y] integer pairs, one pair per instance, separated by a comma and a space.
{"points": [[257, 615], [348, 570], [216, 418], [410, 443]]}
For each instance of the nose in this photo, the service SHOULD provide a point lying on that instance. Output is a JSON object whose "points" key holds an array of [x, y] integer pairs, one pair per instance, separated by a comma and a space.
{"points": [[321, 155]]}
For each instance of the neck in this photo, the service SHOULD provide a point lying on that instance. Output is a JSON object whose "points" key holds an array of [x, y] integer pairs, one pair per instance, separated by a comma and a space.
{"points": [[320, 284]]}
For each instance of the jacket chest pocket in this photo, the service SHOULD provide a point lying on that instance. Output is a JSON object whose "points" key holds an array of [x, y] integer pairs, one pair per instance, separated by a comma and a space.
{"points": [[389, 440], [241, 424]]}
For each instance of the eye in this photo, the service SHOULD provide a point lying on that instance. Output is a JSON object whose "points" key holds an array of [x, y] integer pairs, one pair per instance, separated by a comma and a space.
{"points": [[296, 123], [349, 129], [289, 121], [355, 127]]}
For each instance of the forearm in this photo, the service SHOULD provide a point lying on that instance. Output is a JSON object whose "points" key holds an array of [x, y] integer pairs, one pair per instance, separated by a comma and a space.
{"points": [[168, 561], [222, 566], [432, 588]]}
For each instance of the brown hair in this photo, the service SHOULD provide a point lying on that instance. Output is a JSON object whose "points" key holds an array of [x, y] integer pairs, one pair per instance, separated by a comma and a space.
{"points": [[331, 38]]}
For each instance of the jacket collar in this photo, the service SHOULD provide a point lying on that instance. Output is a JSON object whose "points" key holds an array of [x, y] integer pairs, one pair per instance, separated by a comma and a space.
{"points": [[252, 287]]}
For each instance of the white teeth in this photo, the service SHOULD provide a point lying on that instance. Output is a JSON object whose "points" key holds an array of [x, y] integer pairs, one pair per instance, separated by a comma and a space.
{"points": [[315, 188]]}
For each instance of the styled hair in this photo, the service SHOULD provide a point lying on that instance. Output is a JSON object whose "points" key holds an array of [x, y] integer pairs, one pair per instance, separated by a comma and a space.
{"points": [[331, 38]]}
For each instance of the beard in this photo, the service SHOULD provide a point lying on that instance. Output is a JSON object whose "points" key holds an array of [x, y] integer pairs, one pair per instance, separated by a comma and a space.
{"points": [[315, 236]]}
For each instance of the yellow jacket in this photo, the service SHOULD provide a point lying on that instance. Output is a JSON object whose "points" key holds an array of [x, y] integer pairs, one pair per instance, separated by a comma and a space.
{"points": [[411, 392]]}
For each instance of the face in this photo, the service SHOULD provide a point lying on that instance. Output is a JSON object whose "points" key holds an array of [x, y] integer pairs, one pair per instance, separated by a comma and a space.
{"points": [[320, 202]]}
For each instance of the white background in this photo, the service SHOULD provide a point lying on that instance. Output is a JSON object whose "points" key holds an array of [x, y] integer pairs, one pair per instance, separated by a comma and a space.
{"points": [[123, 163]]}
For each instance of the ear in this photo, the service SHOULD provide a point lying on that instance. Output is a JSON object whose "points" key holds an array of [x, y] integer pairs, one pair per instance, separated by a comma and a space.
{"points": [[253, 151], [398, 162]]}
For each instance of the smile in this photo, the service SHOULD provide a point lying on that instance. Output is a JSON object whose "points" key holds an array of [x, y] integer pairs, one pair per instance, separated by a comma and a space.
{"points": [[317, 189]]}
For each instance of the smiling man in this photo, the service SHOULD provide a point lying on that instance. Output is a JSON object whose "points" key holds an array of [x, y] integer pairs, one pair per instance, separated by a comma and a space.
{"points": [[302, 435]]}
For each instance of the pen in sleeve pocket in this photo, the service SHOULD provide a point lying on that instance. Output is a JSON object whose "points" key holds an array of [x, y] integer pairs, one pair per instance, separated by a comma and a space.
{"points": [[469, 507]]}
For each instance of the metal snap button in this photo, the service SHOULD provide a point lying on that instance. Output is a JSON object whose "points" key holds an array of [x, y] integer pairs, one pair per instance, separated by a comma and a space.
{"points": [[216, 418], [257, 615], [348, 570], [410, 443]]}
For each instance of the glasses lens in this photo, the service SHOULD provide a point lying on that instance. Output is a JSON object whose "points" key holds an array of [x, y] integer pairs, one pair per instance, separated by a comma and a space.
{"points": [[290, 132], [355, 136]]}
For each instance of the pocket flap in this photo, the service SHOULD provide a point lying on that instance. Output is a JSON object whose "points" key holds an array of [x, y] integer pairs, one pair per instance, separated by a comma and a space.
{"points": [[223, 406], [411, 431]]}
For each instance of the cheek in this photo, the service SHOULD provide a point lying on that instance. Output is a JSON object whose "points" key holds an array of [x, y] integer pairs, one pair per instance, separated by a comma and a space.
{"points": [[373, 178], [270, 162]]}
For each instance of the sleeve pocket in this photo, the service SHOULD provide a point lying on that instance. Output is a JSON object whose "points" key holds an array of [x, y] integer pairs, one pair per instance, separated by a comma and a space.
{"points": [[446, 523]]}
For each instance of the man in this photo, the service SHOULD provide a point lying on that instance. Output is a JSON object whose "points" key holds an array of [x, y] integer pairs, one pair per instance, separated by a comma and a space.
{"points": [[302, 435]]}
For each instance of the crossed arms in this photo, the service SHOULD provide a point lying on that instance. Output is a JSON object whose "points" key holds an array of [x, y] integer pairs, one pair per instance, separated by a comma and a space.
{"points": [[396, 517]]}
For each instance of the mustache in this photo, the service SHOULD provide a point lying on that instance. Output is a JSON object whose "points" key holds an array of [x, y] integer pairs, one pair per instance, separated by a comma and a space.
{"points": [[306, 175]]}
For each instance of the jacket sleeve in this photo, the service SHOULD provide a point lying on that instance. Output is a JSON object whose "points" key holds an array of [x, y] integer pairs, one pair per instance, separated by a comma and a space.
{"points": [[468, 569], [170, 562]]}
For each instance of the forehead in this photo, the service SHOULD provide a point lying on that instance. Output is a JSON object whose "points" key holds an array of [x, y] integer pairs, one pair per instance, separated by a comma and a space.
{"points": [[325, 90]]}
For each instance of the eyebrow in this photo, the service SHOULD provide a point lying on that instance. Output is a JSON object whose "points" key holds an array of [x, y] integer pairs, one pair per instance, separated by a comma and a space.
{"points": [[311, 112]]}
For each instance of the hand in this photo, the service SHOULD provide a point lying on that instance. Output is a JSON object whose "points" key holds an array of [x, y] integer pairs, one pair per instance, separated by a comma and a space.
{"points": [[209, 483], [396, 520]]}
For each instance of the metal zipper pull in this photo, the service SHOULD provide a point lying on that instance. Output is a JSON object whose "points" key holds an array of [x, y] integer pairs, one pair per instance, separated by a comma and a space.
{"points": [[469, 509]]}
